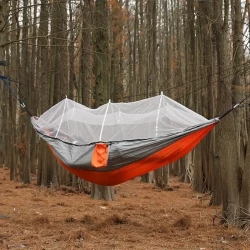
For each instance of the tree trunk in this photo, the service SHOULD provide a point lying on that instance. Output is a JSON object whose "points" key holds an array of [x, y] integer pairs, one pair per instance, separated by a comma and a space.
{"points": [[43, 83], [24, 119], [141, 54], [238, 95], [71, 53], [99, 192], [14, 61], [3, 89], [85, 64], [34, 96], [58, 70], [226, 150], [101, 72], [116, 70]]}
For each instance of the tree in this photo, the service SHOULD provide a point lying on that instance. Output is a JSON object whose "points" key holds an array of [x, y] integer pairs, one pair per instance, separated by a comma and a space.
{"points": [[226, 133], [43, 83], [3, 112], [102, 79], [206, 175], [238, 94], [12, 151], [25, 127], [117, 21]]}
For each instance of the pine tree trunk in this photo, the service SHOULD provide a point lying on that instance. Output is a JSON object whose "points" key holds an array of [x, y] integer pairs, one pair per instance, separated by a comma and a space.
{"points": [[14, 61], [226, 133], [239, 114], [3, 89], [116, 81], [32, 74], [43, 83], [24, 120], [101, 72]]}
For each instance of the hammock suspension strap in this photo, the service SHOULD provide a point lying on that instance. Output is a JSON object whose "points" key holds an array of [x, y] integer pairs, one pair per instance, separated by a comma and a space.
{"points": [[234, 107], [6, 80]]}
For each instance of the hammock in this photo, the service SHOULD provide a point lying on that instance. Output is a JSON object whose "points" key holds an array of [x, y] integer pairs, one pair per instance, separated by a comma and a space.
{"points": [[119, 141]]}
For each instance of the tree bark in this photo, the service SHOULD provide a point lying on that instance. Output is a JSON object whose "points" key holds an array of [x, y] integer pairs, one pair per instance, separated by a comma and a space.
{"points": [[24, 119], [43, 83], [3, 89], [102, 78], [226, 131]]}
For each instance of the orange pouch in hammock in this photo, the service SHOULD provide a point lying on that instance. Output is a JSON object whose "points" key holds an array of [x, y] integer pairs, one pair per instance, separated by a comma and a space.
{"points": [[100, 155]]}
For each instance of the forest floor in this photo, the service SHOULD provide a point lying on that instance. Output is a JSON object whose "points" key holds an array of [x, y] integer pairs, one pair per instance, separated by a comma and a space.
{"points": [[141, 217]]}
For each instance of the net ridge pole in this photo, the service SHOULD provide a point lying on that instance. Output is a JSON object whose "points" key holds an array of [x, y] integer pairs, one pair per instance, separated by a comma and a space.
{"points": [[66, 99], [103, 122], [158, 115]]}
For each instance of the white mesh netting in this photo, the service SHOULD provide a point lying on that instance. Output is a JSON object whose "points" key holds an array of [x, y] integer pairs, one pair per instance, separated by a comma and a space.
{"points": [[152, 117]]}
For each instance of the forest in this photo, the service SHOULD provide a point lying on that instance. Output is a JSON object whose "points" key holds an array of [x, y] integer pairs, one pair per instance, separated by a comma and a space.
{"points": [[194, 51]]}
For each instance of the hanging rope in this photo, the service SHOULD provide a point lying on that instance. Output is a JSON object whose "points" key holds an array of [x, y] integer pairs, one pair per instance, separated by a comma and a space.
{"points": [[234, 107], [6, 80]]}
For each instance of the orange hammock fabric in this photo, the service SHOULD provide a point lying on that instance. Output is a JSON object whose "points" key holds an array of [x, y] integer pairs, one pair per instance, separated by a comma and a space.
{"points": [[160, 158], [100, 155]]}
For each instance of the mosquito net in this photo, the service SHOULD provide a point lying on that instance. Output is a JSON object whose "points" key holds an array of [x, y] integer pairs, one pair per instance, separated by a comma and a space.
{"points": [[158, 116]]}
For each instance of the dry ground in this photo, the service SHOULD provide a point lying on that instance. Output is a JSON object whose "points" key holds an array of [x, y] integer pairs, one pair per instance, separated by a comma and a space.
{"points": [[142, 217]]}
